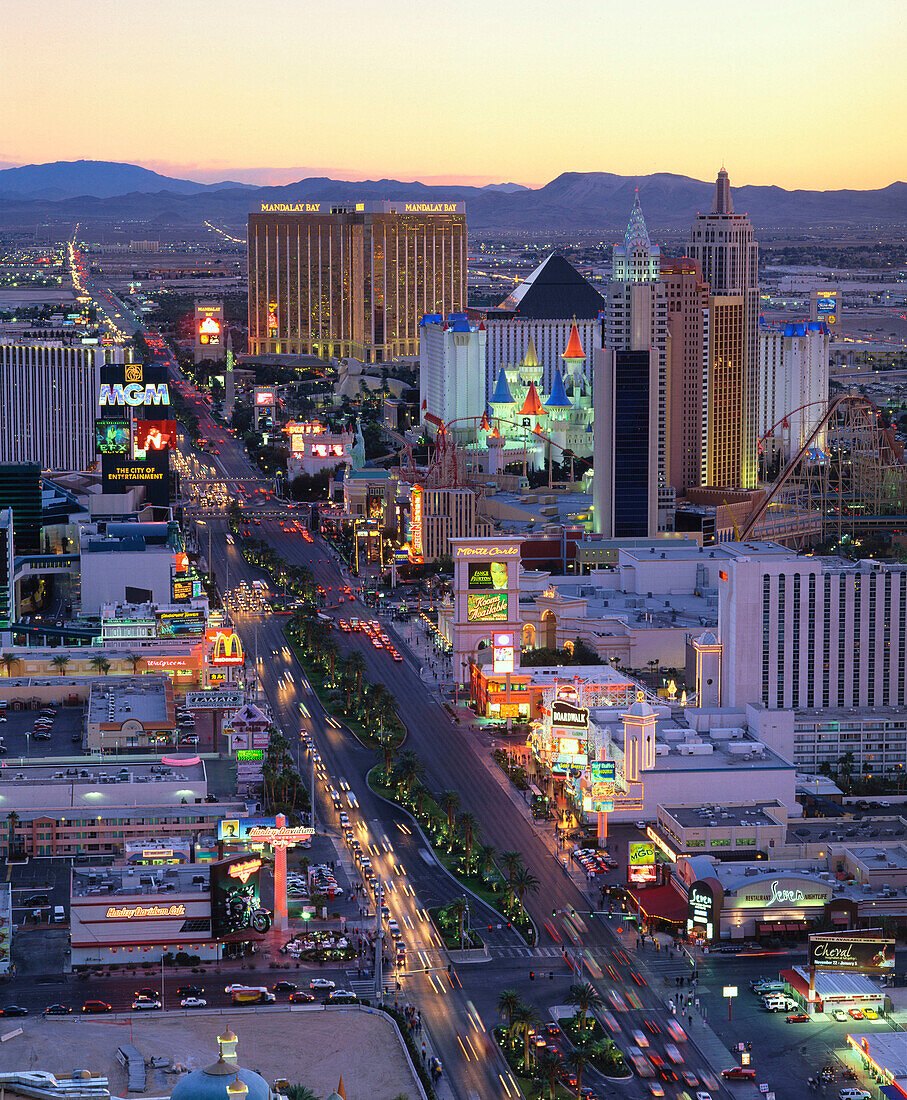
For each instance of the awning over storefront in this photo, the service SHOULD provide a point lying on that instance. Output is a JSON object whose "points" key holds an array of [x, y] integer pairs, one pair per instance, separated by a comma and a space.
{"points": [[661, 901]]}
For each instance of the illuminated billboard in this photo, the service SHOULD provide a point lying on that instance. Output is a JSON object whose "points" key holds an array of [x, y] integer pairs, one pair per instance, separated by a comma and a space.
{"points": [[111, 437], [503, 653], [846, 951], [489, 608], [236, 910], [209, 330], [134, 394], [154, 435], [180, 624], [416, 523], [265, 398], [227, 647], [272, 320], [153, 472], [481, 576], [602, 784], [261, 830], [641, 862]]}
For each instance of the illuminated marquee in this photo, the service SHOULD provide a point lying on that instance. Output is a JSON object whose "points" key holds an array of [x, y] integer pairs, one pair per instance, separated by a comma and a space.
{"points": [[244, 871], [430, 207], [143, 912], [416, 523], [135, 394], [290, 208], [487, 551], [489, 608], [227, 647]]}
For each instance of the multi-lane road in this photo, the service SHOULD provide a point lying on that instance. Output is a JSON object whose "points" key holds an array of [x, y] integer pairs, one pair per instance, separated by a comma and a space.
{"points": [[459, 1008]]}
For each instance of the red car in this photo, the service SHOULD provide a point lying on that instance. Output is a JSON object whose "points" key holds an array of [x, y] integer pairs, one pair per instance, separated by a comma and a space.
{"points": [[856, 1013], [301, 995], [739, 1073], [798, 1018]]}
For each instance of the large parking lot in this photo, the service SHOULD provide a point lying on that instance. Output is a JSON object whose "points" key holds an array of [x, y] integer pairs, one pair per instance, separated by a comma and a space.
{"points": [[19, 740]]}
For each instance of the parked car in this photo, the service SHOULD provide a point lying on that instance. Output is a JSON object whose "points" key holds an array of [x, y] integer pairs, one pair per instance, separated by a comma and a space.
{"points": [[798, 1018], [739, 1073]]}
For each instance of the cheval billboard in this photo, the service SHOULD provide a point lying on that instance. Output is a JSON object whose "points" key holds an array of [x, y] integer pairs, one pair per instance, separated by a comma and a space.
{"points": [[846, 951]]}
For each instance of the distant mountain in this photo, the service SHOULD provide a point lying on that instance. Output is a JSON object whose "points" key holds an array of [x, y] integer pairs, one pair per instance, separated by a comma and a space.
{"points": [[102, 179], [99, 192]]}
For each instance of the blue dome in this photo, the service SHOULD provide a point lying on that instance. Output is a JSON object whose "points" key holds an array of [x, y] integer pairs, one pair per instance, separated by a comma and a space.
{"points": [[211, 1083]]}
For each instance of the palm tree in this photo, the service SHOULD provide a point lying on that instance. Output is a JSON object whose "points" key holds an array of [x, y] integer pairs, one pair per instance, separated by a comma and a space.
{"points": [[582, 1055], [584, 996], [60, 662], [525, 1019], [134, 659], [549, 1067], [449, 802], [485, 857], [524, 882], [421, 793], [655, 666], [409, 769], [100, 663], [845, 765], [458, 908], [511, 861], [389, 746], [12, 820], [508, 1003], [469, 827], [9, 660], [356, 665]]}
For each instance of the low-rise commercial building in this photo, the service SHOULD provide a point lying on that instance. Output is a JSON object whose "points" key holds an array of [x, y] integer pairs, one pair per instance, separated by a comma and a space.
{"points": [[101, 808], [130, 713], [125, 914]]}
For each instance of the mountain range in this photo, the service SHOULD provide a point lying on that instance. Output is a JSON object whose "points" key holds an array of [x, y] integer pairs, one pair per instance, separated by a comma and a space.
{"points": [[107, 192]]}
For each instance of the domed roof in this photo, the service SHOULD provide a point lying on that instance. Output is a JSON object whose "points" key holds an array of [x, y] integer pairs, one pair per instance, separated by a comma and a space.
{"points": [[707, 638], [211, 1083]]}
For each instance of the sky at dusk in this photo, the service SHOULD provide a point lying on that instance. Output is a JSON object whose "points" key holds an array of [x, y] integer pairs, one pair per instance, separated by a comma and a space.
{"points": [[799, 93]]}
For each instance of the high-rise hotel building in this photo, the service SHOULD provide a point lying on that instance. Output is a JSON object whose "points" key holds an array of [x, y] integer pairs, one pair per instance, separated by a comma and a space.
{"points": [[49, 403], [722, 242], [352, 279]]}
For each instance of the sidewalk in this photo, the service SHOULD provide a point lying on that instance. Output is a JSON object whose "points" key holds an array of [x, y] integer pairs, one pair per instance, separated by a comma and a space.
{"points": [[712, 1049]]}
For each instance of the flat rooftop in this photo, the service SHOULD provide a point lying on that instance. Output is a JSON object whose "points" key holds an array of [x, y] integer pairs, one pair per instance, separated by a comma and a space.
{"points": [[847, 831], [699, 817], [894, 856], [97, 787], [829, 983], [185, 878], [141, 698], [888, 1049]]}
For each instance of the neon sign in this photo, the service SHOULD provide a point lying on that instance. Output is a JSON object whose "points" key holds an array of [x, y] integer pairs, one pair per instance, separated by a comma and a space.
{"points": [[135, 394], [416, 523], [143, 912], [227, 648], [244, 871]]}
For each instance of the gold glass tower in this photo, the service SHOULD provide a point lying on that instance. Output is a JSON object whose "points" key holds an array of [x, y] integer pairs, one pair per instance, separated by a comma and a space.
{"points": [[722, 242], [352, 279]]}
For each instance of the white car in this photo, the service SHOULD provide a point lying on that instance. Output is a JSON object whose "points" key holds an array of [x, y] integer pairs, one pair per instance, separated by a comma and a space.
{"points": [[321, 983], [193, 1002], [703, 1096], [145, 1003], [233, 986], [853, 1094]]}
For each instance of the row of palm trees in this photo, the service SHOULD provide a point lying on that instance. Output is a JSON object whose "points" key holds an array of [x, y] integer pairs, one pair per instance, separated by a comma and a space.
{"points": [[459, 832], [370, 704], [282, 786], [61, 662], [522, 1023]]}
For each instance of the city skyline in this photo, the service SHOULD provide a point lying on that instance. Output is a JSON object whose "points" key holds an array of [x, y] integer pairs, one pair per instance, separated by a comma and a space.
{"points": [[468, 101]]}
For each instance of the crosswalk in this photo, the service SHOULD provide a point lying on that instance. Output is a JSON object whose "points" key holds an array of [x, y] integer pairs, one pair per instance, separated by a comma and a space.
{"points": [[366, 987], [549, 952]]}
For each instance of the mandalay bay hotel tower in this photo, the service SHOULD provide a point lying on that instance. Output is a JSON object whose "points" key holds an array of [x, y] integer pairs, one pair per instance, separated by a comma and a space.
{"points": [[354, 279]]}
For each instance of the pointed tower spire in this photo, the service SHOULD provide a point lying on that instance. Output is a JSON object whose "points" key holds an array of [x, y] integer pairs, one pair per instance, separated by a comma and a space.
{"points": [[531, 358], [574, 347], [637, 236], [502, 394], [532, 406], [558, 398], [722, 203]]}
